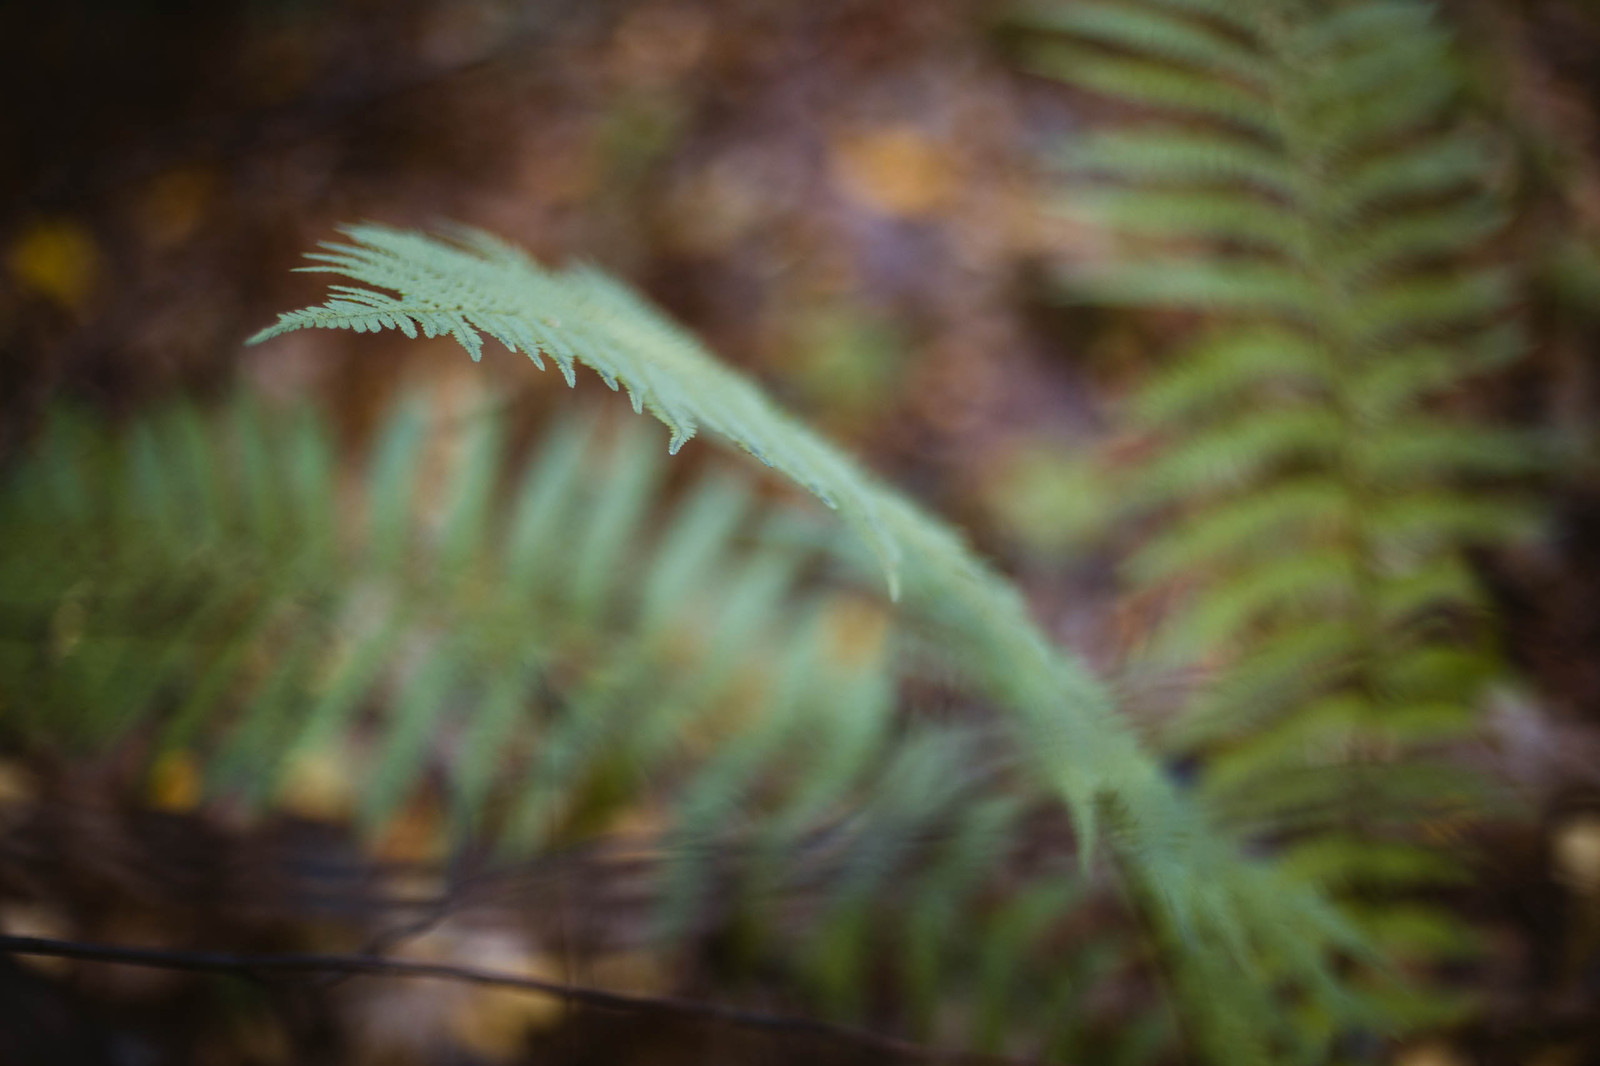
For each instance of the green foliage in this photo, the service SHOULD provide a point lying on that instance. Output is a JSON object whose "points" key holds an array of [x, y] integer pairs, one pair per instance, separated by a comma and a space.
{"points": [[567, 650], [1226, 913], [1303, 182], [486, 287], [222, 577]]}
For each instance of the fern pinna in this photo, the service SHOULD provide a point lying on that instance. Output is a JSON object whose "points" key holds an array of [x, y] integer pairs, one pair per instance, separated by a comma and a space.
{"points": [[1296, 173]]}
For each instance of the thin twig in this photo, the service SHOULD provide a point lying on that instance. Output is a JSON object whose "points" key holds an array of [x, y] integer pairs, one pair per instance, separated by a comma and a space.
{"points": [[379, 966]]}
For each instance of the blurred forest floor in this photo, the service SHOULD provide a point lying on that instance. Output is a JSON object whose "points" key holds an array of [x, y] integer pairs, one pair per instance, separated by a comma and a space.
{"points": [[841, 197]]}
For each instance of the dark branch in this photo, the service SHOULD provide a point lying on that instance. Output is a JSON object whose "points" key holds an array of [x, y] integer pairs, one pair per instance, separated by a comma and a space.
{"points": [[379, 966]]}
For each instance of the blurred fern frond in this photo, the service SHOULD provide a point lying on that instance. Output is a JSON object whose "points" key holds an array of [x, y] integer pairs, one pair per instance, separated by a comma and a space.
{"points": [[227, 578], [1300, 177], [1229, 909], [685, 674]]}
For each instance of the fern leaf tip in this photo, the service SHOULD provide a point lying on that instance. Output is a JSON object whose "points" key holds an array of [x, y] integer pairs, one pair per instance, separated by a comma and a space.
{"points": [[681, 435], [264, 334], [288, 322]]}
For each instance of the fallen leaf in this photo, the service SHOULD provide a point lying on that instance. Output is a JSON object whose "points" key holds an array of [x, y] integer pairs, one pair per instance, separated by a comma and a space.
{"points": [[57, 259]]}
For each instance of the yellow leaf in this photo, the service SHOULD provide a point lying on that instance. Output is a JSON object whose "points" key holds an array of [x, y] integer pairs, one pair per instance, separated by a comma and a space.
{"points": [[175, 782], [57, 259]]}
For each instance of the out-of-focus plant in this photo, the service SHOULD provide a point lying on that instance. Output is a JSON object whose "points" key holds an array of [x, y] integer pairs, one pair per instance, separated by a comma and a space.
{"points": [[1300, 177], [560, 652]]}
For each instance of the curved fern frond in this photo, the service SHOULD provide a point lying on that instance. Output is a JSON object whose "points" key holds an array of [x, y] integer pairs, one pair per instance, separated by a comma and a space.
{"points": [[580, 315], [1064, 719], [484, 287]]}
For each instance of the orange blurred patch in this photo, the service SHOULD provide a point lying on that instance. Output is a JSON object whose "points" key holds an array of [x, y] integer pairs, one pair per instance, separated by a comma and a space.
{"points": [[895, 170], [17, 784], [175, 782], [857, 629], [416, 836]]}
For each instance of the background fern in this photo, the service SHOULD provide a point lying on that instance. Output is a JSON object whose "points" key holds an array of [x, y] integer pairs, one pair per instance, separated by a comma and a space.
{"points": [[568, 652], [1300, 177]]}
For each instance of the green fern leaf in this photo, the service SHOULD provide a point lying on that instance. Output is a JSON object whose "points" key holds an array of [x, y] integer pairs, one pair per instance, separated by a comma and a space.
{"points": [[1063, 718]]}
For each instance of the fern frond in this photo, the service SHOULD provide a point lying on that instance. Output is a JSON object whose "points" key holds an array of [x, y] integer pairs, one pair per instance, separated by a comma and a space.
{"points": [[1078, 750], [1324, 209], [485, 287], [579, 315]]}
